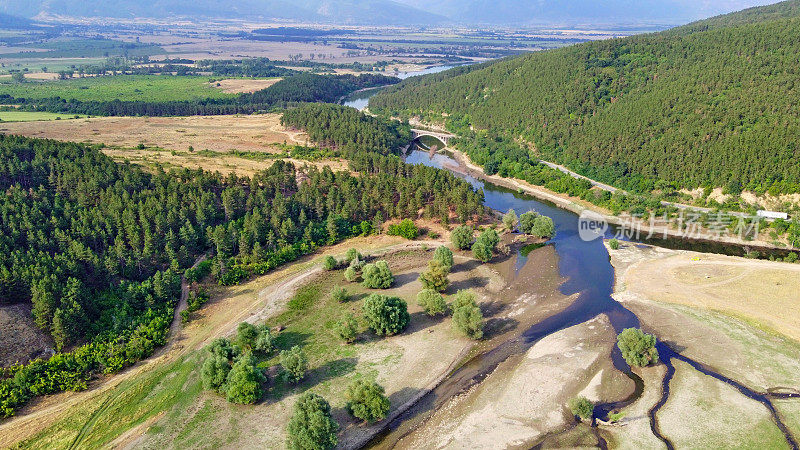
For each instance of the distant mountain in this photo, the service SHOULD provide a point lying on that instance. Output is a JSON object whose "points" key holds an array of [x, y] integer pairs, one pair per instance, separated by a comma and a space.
{"points": [[580, 11], [377, 12], [709, 104]]}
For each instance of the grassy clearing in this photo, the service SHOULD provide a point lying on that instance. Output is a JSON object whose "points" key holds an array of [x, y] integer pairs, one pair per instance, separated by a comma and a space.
{"points": [[24, 116], [155, 88]]}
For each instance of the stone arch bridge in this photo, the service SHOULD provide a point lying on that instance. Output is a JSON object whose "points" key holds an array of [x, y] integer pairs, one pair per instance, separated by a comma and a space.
{"points": [[444, 137]]}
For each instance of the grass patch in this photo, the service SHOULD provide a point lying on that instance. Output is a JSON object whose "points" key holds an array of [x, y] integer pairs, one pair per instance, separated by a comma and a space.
{"points": [[152, 88], [24, 116]]}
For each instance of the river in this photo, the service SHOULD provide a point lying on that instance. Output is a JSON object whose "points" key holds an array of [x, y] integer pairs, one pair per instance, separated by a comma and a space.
{"points": [[588, 272], [359, 100]]}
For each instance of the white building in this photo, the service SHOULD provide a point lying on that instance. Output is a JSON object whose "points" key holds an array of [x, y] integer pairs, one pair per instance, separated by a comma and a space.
{"points": [[772, 215]]}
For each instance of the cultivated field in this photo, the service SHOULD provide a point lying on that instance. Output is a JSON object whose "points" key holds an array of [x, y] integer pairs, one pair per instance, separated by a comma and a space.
{"points": [[241, 144], [241, 85], [25, 116], [122, 87]]}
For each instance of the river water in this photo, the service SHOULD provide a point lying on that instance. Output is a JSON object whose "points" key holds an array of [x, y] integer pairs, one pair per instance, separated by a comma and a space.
{"points": [[588, 272], [359, 100]]}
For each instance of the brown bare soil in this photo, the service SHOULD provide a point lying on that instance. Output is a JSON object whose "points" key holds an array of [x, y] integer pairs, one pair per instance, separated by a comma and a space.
{"points": [[20, 339], [243, 85]]}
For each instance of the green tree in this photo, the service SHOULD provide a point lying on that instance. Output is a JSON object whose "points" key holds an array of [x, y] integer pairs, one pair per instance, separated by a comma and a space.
{"points": [[613, 244], [347, 328], [377, 276], [510, 220], [461, 237], [294, 363], [581, 407], [351, 274], [526, 221], [637, 347], [339, 294], [435, 277], [330, 263], [445, 256], [469, 321], [543, 226], [246, 334], [406, 228], [481, 251], [264, 342], [386, 315], [464, 297], [214, 372], [352, 254], [312, 427], [367, 401], [243, 385], [432, 302]]}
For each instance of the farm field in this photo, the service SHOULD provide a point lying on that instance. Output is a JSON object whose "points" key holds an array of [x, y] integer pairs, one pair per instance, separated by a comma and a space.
{"points": [[240, 144], [152, 88], [25, 116]]}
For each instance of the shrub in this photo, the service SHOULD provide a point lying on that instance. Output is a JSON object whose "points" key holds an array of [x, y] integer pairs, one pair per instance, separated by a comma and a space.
{"points": [[464, 297], [490, 238], [197, 299], [791, 257], [197, 274], [246, 335], [294, 363], [405, 229], [351, 274], [386, 315], [435, 277], [367, 401], [330, 263], [311, 425], [214, 372], [377, 276], [461, 237], [244, 381], [351, 255], [543, 226], [347, 328], [613, 244], [263, 342], [581, 407], [481, 252], [445, 256], [340, 294], [526, 221], [469, 321], [510, 220], [222, 347], [638, 348], [432, 302]]}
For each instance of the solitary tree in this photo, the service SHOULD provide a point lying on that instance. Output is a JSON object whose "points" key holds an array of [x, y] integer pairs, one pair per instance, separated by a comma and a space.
{"points": [[581, 407], [263, 341], [481, 252], [464, 297], [526, 221], [351, 274], [214, 372], [347, 328], [445, 256], [244, 381], [484, 246], [435, 277], [339, 294], [461, 237], [613, 244], [543, 227], [312, 427], [294, 363], [469, 321], [351, 255], [510, 220], [637, 347], [246, 335], [377, 276], [432, 302], [367, 401], [330, 263], [386, 315]]}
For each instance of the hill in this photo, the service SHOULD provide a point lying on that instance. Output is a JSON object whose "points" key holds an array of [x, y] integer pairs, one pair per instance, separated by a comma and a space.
{"points": [[708, 104], [378, 12]]}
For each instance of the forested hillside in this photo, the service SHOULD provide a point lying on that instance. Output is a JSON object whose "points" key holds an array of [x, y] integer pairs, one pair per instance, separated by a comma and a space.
{"points": [[98, 248], [709, 104]]}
